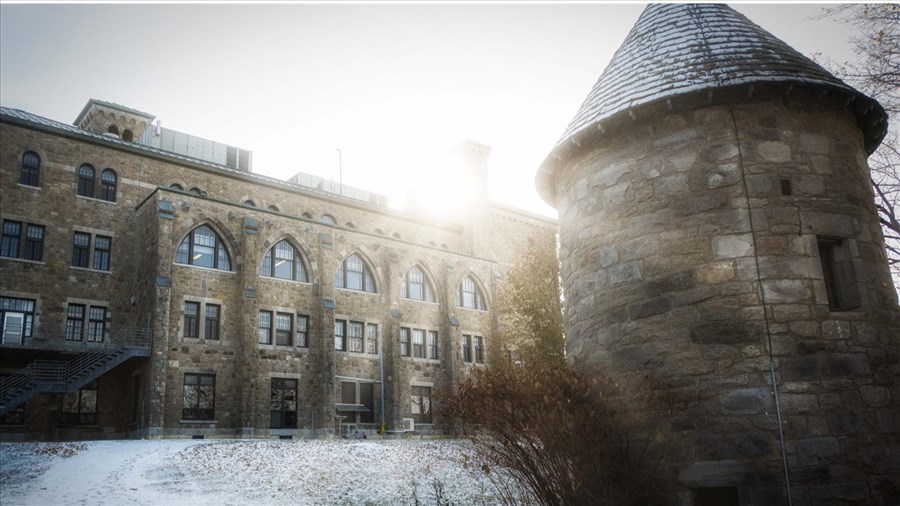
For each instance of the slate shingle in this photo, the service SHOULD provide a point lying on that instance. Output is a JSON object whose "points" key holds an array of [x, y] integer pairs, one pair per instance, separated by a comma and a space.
{"points": [[676, 49]]}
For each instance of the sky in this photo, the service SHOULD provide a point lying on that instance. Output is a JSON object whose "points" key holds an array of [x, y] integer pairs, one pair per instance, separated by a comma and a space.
{"points": [[392, 86]]}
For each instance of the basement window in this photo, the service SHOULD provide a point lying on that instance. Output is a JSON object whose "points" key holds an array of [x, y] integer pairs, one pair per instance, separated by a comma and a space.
{"points": [[839, 274]]}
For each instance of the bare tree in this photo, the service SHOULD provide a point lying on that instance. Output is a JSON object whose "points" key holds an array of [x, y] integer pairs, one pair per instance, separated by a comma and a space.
{"points": [[876, 72]]}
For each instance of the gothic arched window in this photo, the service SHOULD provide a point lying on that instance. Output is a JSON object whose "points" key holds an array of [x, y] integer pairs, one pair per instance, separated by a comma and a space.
{"points": [[469, 295], [354, 274], [203, 248], [283, 261], [416, 286]]}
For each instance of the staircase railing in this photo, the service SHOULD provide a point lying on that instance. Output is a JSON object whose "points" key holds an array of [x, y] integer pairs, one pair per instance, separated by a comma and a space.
{"points": [[43, 376]]}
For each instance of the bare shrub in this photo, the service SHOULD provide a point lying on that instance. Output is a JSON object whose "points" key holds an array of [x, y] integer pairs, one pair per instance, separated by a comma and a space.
{"points": [[561, 438]]}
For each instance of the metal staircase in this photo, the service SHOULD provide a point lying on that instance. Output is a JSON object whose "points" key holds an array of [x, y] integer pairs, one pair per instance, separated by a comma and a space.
{"points": [[53, 376]]}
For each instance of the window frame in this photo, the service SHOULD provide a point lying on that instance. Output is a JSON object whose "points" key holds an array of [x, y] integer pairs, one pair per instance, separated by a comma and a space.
{"points": [[108, 186], [422, 403], [265, 334], [85, 180], [356, 397], [26, 307], [287, 419], [83, 415], [346, 272], [30, 172], [190, 328], [434, 344], [839, 273], [478, 302], [285, 335], [28, 247], [269, 266], [75, 322], [198, 413], [186, 253], [212, 324], [416, 277]]}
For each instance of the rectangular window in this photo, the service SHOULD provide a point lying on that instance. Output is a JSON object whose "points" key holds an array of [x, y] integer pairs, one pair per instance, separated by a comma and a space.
{"points": [[284, 329], [418, 336], [283, 410], [24, 241], [102, 249], [479, 349], [421, 404], [34, 243], [96, 324], [302, 331], [340, 335], [17, 319], [75, 322], [432, 345], [265, 327], [356, 337], [372, 339], [404, 342], [12, 231], [191, 319], [80, 408], [199, 401], [840, 276], [213, 314], [467, 348], [81, 249]]}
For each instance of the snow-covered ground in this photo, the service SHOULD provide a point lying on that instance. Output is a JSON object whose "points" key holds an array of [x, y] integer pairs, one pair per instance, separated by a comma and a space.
{"points": [[239, 472]]}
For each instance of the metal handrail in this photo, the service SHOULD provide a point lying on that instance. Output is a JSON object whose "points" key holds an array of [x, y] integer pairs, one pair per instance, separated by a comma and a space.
{"points": [[43, 374]]}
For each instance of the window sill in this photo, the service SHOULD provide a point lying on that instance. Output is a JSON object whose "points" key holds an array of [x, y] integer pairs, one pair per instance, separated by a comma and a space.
{"points": [[211, 269], [418, 360], [350, 290], [420, 301], [359, 354], [21, 185], [282, 347], [88, 269], [24, 260], [95, 199], [208, 422], [292, 281]]}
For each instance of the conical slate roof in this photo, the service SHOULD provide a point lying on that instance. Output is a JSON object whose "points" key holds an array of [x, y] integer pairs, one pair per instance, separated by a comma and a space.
{"points": [[676, 49]]}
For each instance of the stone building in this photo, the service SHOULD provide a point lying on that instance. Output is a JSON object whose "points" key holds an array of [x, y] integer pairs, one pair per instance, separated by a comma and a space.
{"points": [[152, 285], [720, 251]]}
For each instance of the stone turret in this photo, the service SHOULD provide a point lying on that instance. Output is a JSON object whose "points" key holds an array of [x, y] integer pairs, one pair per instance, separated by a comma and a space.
{"points": [[108, 118], [719, 245]]}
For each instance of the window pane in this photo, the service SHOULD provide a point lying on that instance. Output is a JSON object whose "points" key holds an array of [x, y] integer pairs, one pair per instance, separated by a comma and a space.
{"points": [[302, 323], [372, 338], [102, 247], [80, 249], [356, 337], [339, 334], [265, 327]]}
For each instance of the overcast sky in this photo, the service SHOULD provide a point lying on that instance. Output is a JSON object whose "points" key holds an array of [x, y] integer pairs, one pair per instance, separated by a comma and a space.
{"points": [[393, 86]]}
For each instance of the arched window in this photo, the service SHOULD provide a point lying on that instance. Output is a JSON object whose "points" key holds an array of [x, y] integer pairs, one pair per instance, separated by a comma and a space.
{"points": [[31, 169], [127, 135], [176, 186], [203, 248], [307, 216], [113, 129], [86, 180], [416, 286], [273, 207], [350, 224], [328, 219], [354, 274], [108, 185], [469, 295], [250, 203], [283, 261], [197, 191]]}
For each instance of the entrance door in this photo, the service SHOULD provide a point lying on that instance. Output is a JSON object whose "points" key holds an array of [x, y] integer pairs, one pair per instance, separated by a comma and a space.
{"points": [[13, 328]]}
